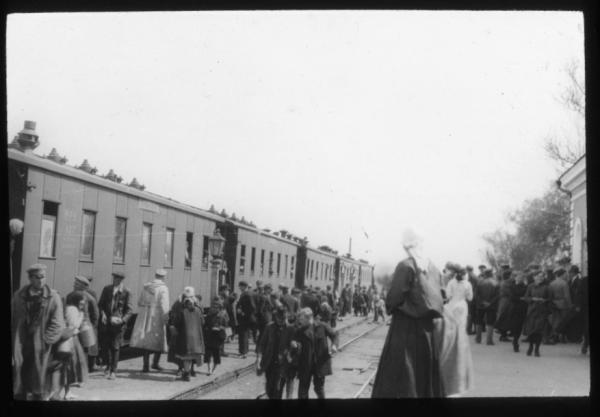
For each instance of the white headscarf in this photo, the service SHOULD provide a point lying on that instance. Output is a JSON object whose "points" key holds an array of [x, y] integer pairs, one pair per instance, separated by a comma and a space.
{"points": [[413, 245]]}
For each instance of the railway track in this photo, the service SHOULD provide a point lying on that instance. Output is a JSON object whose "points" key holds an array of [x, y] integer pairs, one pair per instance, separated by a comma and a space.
{"points": [[246, 379], [263, 395], [355, 360]]}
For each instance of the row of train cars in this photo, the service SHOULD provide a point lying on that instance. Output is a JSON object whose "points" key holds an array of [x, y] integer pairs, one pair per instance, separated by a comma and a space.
{"points": [[79, 222]]}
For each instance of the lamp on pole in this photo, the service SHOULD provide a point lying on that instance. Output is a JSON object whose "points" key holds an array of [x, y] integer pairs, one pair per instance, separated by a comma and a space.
{"points": [[216, 243]]}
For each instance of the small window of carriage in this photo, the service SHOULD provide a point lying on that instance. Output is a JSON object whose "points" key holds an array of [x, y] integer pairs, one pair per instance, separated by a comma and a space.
{"points": [[242, 258], [120, 240], [48, 232], [205, 253], [88, 230], [189, 244]]}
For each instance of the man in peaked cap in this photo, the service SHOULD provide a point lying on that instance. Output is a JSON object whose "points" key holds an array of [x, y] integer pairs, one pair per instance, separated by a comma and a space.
{"points": [[115, 312], [246, 315], [37, 324], [486, 294], [91, 314]]}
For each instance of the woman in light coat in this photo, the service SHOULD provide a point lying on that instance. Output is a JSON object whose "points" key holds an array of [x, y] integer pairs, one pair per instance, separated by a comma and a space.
{"points": [[149, 333]]}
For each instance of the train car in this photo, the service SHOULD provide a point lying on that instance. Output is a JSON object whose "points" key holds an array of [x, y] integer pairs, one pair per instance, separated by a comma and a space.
{"points": [[316, 266], [252, 254], [77, 222]]}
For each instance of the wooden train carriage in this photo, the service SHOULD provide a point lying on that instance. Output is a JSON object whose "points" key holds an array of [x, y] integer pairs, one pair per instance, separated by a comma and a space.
{"points": [[349, 271], [316, 267], [252, 254], [79, 223]]}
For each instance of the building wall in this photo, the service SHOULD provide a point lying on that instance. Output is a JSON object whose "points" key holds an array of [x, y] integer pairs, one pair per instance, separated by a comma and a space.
{"points": [[73, 197], [579, 232]]}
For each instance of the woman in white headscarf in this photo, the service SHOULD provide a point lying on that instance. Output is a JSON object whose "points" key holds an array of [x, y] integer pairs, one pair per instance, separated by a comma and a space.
{"points": [[409, 365]]}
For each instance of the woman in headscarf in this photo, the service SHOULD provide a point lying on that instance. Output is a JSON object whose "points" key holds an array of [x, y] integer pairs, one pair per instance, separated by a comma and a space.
{"points": [[75, 366], [409, 365], [186, 327]]}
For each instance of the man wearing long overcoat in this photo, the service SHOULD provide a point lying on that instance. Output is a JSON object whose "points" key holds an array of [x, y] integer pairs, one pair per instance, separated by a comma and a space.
{"points": [[37, 325], [246, 315], [115, 311], [149, 331], [561, 302], [314, 361]]}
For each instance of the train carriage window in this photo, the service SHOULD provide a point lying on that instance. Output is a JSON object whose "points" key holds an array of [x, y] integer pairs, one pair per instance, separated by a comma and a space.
{"points": [[278, 263], [285, 266], [252, 260], [146, 243], [169, 237], [262, 261], [312, 264], [242, 259], [119, 245], [317, 270], [48, 233], [271, 263], [292, 267], [189, 244], [87, 235], [204, 251]]}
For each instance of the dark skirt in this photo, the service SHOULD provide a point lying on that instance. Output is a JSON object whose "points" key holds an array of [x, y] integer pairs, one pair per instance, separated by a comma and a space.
{"points": [[536, 320], [76, 369], [503, 315], [409, 365]]}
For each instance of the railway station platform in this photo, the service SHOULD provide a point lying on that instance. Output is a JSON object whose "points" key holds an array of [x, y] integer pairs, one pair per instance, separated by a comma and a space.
{"points": [[132, 384]]}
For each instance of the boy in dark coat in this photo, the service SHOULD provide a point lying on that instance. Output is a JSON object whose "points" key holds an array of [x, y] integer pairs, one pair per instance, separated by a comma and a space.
{"points": [[314, 361], [275, 357]]}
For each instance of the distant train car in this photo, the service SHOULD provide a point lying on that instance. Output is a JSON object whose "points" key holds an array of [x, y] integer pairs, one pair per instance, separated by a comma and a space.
{"points": [[316, 267], [252, 255], [76, 222]]}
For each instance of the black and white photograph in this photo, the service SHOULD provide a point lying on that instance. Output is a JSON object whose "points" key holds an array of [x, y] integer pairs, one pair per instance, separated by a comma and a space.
{"points": [[297, 204]]}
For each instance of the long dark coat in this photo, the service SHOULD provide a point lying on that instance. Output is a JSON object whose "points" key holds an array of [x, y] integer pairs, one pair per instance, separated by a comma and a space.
{"points": [[518, 308], [172, 335], [537, 311], [32, 355], [504, 305], [122, 307], [214, 328], [189, 337], [246, 310], [314, 357], [274, 346], [409, 365]]}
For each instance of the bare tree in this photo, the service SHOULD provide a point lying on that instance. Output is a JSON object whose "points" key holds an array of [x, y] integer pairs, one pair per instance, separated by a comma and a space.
{"points": [[566, 150]]}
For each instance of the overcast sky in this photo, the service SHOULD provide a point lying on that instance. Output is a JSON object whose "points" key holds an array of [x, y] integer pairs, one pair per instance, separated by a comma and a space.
{"points": [[330, 125]]}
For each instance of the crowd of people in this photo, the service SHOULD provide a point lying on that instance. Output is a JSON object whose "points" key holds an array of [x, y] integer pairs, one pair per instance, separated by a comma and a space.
{"points": [[58, 341], [545, 305], [427, 351]]}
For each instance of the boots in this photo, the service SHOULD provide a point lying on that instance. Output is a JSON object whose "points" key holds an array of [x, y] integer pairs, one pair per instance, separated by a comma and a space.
{"points": [[489, 335], [530, 350], [146, 367], [516, 345], [537, 350], [478, 333], [155, 360]]}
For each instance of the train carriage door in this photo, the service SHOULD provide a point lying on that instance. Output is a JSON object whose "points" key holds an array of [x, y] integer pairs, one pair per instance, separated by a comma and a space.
{"points": [[17, 186]]}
